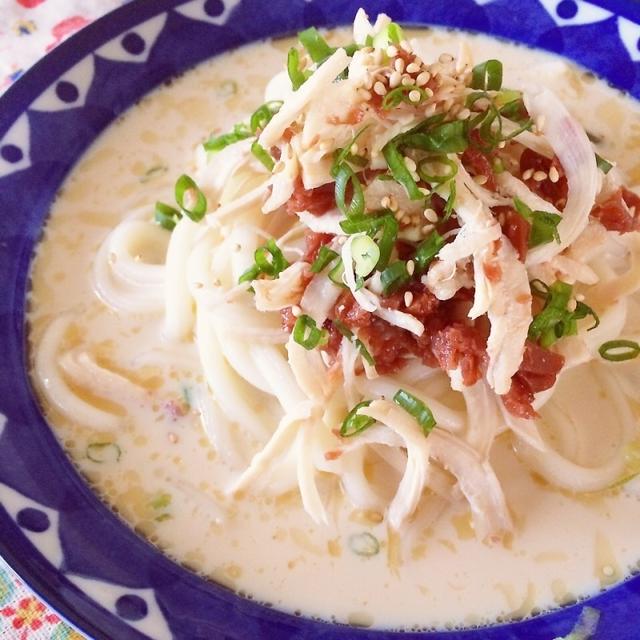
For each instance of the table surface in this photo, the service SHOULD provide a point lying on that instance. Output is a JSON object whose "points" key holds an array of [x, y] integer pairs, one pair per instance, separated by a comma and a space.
{"points": [[28, 29]]}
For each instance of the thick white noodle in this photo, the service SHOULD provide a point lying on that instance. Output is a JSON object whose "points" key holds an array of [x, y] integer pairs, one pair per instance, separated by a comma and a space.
{"points": [[56, 389]]}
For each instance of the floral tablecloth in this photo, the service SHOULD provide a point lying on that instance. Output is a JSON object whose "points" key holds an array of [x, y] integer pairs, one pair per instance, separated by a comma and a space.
{"points": [[28, 29]]}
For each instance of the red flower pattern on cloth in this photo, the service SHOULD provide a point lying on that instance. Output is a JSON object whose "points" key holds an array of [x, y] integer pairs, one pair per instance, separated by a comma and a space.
{"points": [[30, 4], [28, 615]]}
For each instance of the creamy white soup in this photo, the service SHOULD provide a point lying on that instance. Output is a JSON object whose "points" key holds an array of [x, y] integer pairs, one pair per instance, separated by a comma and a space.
{"points": [[188, 457]]}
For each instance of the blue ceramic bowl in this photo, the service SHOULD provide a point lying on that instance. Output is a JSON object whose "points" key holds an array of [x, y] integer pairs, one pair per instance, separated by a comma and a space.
{"points": [[54, 531]]}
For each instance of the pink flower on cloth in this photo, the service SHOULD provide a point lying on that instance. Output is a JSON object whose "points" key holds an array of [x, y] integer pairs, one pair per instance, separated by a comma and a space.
{"points": [[30, 4], [29, 615], [66, 27]]}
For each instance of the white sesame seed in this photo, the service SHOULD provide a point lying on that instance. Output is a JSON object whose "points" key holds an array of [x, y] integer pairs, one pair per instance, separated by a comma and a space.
{"points": [[398, 65], [405, 46], [385, 202], [526, 175], [407, 81], [354, 148], [502, 145], [554, 175], [571, 305], [393, 203], [423, 78], [411, 267], [379, 88], [413, 68], [580, 297], [296, 311], [540, 122], [424, 190], [410, 163], [415, 96], [408, 298], [418, 60], [173, 438], [480, 179], [608, 570], [429, 94], [394, 79], [398, 215], [392, 52], [463, 114], [430, 215], [539, 176], [445, 58]]}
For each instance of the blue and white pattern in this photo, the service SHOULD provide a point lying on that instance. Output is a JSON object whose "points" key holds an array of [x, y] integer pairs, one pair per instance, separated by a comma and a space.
{"points": [[66, 544]]}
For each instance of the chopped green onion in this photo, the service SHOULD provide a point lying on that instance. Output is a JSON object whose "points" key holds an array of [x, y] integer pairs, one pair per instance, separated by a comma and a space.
{"points": [[437, 178], [296, 75], [166, 216], [325, 257], [604, 165], [372, 226], [345, 155], [395, 162], [263, 155], [364, 352], [365, 253], [427, 250], [583, 310], [217, 143], [403, 94], [104, 452], [307, 334], [394, 276], [364, 544], [417, 409], [355, 423], [539, 288], [261, 117], [555, 321], [345, 176], [448, 137], [154, 172], [315, 44], [544, 225], [391, 34], [336, 275], [196, 203], [347, 333], [269, 260], [162, 501], [487, 76], [619, 350], [450, 203], [507, 98]]}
